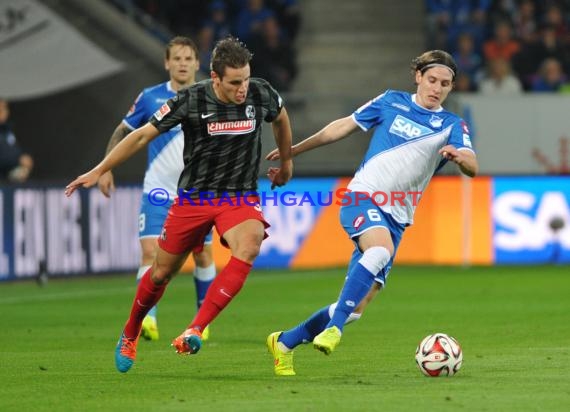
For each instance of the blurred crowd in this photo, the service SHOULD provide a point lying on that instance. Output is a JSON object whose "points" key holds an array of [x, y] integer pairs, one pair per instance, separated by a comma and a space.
{"points": [[268, 27], [504, 46]]}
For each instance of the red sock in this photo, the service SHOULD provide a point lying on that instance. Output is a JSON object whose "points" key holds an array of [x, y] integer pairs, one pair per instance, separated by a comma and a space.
{"points": [[148, 294], [223, 289]]}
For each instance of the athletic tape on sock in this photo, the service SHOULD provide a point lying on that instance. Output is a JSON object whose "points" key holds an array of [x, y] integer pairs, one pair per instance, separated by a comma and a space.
{"points": [[374, 259]]}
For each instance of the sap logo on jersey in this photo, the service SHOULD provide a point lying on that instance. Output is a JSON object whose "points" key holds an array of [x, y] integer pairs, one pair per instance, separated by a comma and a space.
{"points": [[408, 129]]}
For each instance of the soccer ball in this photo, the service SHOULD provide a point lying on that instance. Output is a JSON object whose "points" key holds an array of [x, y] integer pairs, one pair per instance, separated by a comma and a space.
{"points": [[439, 355]]}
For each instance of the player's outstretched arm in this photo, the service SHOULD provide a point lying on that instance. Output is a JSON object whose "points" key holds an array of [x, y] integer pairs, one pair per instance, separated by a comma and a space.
{"points": [[465, 159], [131, 144], [106, 182], [283, 137], [332, 132]]}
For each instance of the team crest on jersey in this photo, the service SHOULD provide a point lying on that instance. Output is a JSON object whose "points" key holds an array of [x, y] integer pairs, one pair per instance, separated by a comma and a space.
{"points": [[358, 221], [436, 121], [408, 129], [250, 111], [163, 111], [232, 127]]}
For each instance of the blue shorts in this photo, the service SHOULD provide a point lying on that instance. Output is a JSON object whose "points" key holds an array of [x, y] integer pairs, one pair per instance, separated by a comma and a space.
{"points": [[152, 217], [362, 215]]}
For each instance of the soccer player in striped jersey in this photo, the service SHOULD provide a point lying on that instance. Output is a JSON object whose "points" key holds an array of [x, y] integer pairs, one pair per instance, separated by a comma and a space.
{"points": [[221, 118], [413, 137], [164, 165]]}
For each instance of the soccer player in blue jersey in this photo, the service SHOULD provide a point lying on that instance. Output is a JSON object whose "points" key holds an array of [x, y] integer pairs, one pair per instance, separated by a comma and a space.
{"points": [[413, 137], [164, 166]]}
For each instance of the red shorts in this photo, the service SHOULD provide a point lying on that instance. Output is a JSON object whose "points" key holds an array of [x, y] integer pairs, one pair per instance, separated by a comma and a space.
{"points": [[187, 224]]}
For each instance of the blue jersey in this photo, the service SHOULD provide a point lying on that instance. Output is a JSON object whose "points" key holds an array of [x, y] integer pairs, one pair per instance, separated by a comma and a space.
{"points": [[403, 152], [165, 161]]}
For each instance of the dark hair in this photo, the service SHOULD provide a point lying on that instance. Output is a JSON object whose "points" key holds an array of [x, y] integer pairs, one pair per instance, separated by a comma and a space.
{"points": [[431, 58], [180, 41], [229, 52]]}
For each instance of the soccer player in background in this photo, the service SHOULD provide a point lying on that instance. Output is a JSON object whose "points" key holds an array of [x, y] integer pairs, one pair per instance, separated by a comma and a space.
{"points": [[413, 137], [164, 165], [221, 119]]}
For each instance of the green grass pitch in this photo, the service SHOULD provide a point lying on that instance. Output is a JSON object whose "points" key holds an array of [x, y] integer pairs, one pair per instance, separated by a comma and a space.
{"points": [[57, 345]]}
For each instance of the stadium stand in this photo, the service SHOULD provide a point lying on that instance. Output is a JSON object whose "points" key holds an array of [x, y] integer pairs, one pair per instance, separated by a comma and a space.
{"points": [[526, 33]]}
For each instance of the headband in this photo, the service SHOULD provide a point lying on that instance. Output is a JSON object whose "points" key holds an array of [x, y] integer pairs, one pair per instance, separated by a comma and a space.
{"points": [[438, 65]]}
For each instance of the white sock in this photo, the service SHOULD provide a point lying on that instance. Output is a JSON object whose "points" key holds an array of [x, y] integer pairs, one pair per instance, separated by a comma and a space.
{"points": [[142, 270], [205, 274]]}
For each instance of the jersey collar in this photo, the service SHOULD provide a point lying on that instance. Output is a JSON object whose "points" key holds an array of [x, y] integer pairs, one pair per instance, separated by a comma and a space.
{"points": [[416, 103]]}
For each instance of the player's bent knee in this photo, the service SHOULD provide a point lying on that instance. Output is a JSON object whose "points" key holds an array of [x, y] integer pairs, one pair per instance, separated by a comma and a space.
{"points": [[159, 277], [248, 252], [165, 269]]}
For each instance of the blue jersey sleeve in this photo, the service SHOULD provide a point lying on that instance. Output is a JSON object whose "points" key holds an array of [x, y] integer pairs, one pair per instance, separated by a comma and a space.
{"points": [[138, 114], [369, 114], [460, 136]]}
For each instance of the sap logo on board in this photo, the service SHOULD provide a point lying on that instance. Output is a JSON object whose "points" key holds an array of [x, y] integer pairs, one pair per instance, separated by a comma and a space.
{"points": [[408, 129], [522, 220]]}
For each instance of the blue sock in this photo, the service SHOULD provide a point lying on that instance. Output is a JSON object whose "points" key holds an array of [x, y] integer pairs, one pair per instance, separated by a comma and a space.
{"points": [[307, 330], [201, 289], [356, 286], [356, 255]]}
